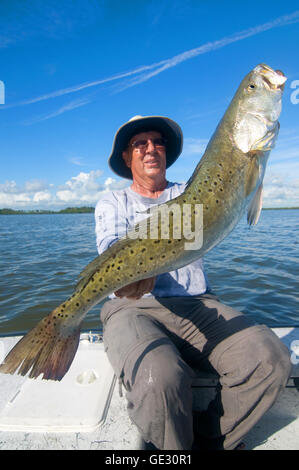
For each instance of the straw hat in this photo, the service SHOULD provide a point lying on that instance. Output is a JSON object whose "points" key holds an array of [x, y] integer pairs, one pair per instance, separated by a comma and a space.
{"points": [[170, 130]]}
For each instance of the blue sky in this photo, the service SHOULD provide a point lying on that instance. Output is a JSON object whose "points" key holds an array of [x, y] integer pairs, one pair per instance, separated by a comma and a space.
{"points": [[75, 70]]}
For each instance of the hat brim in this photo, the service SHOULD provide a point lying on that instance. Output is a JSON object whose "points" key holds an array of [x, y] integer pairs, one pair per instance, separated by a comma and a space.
{"points": [[167, 127]]}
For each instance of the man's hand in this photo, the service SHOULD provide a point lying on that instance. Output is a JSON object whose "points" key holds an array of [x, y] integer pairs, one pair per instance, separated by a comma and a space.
{"points": [[137, 289]]}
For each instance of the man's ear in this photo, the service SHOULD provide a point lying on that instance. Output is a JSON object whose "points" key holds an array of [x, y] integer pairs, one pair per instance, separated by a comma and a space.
{"points": [[127, 158]]}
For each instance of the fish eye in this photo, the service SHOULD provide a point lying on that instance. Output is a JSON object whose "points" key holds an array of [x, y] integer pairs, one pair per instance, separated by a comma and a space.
{"points": [[252, 86]]}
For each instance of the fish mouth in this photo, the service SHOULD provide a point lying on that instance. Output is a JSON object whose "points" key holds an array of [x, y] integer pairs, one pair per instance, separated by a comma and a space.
{"points": [[273, 79]]}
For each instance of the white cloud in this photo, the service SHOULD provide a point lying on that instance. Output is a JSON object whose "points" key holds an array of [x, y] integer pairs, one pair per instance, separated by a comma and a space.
{"points": [[66, 196], [77, 161], [195, 146], [13, 192], [8, 200], [9, 187], [85, 181], [85, 187], [109, 181], [281, 185], [35, 185], [42, 196], [82, 189], [281, 182]]}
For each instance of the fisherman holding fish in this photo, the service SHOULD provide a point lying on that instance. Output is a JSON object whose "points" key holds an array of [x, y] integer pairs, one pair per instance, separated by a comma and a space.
{"points": [[163, 320], [158, 329]]}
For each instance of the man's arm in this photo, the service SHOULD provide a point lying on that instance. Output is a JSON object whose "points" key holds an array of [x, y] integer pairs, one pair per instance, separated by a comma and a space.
{"points": [[110, 223]]}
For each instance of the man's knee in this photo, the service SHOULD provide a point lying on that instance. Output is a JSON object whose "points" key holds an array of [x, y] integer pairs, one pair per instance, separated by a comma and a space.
{"points": [[258, 355], [275, 358], [168, 374], [160, 400]]}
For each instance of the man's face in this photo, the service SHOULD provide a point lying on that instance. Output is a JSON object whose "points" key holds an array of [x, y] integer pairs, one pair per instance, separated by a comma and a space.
{"points": [[150, 161]]}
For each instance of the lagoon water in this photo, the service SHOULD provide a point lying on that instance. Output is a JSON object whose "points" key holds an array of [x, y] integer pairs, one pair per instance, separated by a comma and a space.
{"points": [[255, 270]]}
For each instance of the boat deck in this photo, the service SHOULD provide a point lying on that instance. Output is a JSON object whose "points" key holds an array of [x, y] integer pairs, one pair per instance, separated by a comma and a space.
{"points": [[85, 411]]}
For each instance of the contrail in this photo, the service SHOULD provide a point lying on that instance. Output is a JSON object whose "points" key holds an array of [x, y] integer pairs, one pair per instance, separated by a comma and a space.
{"points": [[80, 87], [212, 46], [146, 72], [67, 107]]}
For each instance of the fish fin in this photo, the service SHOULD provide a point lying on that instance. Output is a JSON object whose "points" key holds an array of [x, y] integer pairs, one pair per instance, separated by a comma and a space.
{"points": [[267, 142], [43, 350], [88, 272], [255, 207], [253, 174]]}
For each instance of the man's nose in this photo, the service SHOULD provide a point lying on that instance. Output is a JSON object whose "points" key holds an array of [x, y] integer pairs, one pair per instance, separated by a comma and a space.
{"points": [[150, 145]]}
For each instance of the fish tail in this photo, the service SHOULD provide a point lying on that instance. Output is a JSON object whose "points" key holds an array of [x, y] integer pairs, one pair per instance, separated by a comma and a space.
{"points": [[47, 349]]}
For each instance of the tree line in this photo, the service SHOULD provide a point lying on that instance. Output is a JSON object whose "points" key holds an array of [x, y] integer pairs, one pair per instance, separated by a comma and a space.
{"points": [[68, 210]]}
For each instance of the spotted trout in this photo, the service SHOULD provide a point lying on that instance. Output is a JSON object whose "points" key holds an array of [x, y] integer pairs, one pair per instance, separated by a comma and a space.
{"points": [[227, 180]]}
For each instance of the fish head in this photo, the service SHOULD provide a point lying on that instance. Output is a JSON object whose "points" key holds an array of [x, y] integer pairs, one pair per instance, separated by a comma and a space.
{"points": [[258, 108], [264, 90]]}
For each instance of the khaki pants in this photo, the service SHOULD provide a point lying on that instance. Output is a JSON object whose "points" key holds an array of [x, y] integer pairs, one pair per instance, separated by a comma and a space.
{"points": [[153, 345]]}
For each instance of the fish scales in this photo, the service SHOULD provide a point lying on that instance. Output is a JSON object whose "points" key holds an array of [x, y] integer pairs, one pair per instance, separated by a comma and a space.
{"points": [[226, 181]]}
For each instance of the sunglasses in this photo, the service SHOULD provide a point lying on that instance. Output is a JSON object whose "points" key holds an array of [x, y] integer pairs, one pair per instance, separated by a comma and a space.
{"points": [[141, 144]]}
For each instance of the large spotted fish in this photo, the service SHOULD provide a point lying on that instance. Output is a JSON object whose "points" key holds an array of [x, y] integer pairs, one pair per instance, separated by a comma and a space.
{"points": [[227, 179]]}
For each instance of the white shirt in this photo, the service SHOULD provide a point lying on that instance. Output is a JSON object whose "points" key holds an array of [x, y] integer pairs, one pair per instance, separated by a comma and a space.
{"points": [[118, 211]]}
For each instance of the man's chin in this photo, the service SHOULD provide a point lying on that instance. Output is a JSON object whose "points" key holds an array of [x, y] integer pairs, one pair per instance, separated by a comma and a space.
{"points": [[153, 169], [154, 175]]}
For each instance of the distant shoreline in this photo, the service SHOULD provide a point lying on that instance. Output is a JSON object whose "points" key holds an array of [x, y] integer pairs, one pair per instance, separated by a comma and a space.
{"points": [[68, 210], [88, 210], [278, 208]]}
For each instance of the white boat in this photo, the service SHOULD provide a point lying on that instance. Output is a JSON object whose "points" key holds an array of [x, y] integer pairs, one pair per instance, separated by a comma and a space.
{"points": [[85, 411]]}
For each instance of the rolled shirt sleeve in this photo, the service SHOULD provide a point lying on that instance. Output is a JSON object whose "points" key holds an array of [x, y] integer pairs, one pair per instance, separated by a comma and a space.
{"points": [[110, 223]]}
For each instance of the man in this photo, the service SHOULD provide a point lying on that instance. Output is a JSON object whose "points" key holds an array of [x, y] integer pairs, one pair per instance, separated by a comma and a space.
{"points": [[156, 330]]}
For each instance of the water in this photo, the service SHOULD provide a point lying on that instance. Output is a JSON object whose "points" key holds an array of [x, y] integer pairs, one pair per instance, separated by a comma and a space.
{"points": [[254, 270]]}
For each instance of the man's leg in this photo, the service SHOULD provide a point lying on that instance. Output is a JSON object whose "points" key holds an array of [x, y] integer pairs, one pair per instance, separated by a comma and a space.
{"points": [[253, 365], [157, 380], [159, 396]]}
